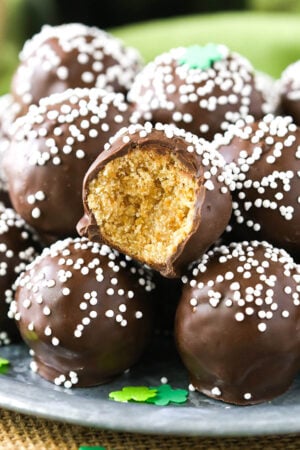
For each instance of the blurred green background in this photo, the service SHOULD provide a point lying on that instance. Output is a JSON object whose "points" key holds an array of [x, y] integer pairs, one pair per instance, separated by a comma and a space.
{"points": [[266, 31]]}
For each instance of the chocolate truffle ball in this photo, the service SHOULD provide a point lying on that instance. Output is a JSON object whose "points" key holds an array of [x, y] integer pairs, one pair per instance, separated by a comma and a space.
{"points": [[265, 159], [85, 311], [52, 148], [289, 87], [158, 195], [70, 56], [201, 89], [237, 323], [18, 247]]}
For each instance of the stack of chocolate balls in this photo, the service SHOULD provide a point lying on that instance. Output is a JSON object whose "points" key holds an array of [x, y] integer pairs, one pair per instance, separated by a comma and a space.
{"points": [[167, 191]]}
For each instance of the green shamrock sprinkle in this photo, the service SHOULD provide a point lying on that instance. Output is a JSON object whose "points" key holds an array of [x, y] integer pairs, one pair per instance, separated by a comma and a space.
{"points": [[197, 57], [93, 447], [166, 394], [4, 364], [133, 393]]}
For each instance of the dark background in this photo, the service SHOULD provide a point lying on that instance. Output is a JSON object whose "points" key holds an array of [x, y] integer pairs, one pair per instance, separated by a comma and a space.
{"points": [[21, 19], [110, 13]]}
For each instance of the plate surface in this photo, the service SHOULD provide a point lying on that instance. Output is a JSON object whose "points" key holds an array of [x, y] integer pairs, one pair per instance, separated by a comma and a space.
{"points": [[23, 391]]}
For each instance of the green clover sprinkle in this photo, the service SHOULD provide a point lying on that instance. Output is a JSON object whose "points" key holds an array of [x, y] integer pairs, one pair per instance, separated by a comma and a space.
{"points": [[4, 362], [93, 447], [166, 394], [4, 366], [133, 393], [197, 57]]}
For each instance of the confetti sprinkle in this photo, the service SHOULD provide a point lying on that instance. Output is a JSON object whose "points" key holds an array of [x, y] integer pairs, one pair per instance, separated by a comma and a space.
{"points": [[166, 394], [93, 447], [197, 57], [158, 395], [133, 393], [4, 362], [4, 366]]}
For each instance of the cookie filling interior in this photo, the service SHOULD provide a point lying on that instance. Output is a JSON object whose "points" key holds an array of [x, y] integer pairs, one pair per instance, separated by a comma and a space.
{"points": [[143, 203]]}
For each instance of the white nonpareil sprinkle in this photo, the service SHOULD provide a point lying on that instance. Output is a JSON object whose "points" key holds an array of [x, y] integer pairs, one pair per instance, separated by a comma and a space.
{"points": [[216, 391]]}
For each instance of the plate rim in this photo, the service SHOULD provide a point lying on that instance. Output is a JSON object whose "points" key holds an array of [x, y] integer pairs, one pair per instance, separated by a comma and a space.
{"points": [[151, 419]]}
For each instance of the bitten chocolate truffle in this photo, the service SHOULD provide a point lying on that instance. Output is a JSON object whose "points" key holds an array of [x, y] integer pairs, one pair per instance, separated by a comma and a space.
{"points": [[85, 311], [289, 87], [157, 194], [18, 247], [70, 56], [265, 159], [52, 147], [237, 323], [200, 89]]}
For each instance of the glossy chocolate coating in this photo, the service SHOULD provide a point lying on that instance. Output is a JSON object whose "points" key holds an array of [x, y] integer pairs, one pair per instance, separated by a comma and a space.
{"points": [[70, 56], [237, 324], [52, 148], [203, 101], [265, 160], [85, 311], [289, 87], [18, 247], [213, 203]]}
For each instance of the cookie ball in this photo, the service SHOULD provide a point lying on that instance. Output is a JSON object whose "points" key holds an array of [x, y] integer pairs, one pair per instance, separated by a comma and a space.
{"points": [[70, 56], [265, 160], [52, 148], [289, 87], [200, 89], [158, 195], [85, 311], [18, 247], [237, 323]]}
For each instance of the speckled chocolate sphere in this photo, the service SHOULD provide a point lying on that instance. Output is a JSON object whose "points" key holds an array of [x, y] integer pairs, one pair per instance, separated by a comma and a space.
{"points": [[237, 324], [200, 89], [265, 159], [70, 56], [18, 247], [157, 194], [52, 147], [85, 311], [289, 88]]}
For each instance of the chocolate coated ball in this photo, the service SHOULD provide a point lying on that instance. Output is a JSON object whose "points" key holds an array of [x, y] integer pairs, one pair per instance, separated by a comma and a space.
{"points": [[70, 56], [200, 89], [52, 147], [237, 323], [85, 311]]}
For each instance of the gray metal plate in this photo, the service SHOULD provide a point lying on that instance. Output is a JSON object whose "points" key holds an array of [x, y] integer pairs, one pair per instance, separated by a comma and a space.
{"points": [[25, 392]]}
